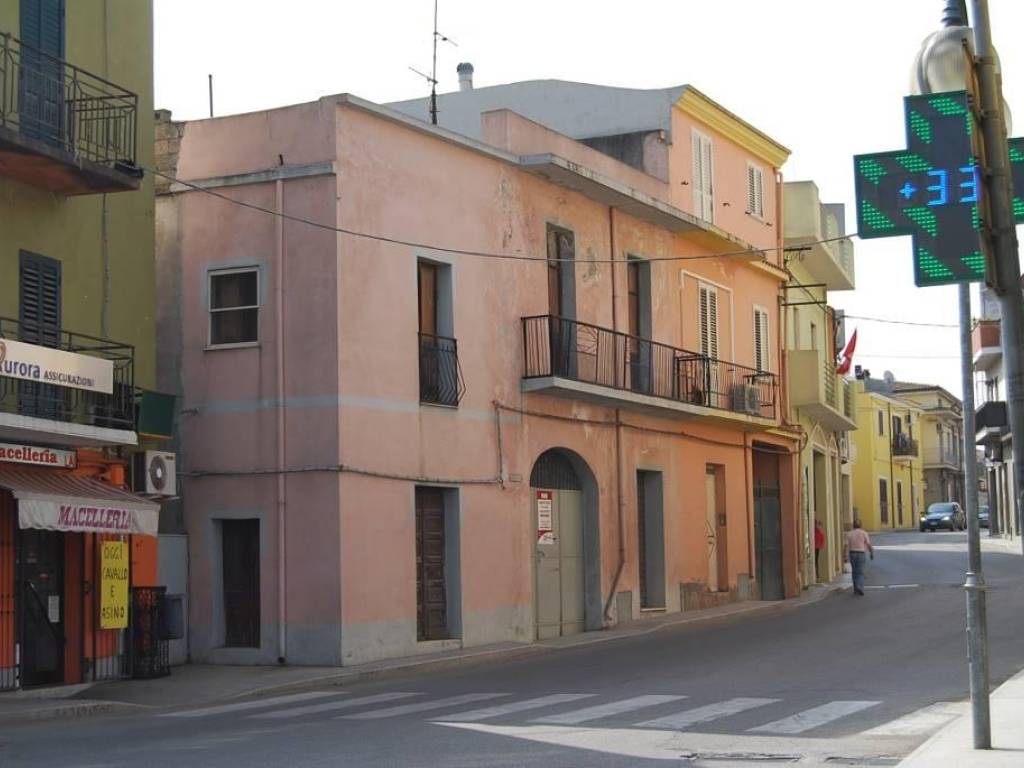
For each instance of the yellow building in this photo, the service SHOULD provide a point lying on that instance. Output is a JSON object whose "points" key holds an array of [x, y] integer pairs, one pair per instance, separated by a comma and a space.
{"points": [[888, 477], [820, 401], [77, 339], [941, 436]]}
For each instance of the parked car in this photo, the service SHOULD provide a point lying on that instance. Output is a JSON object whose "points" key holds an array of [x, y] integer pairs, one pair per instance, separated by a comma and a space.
{"points": [[983, 516], [946, 515]]}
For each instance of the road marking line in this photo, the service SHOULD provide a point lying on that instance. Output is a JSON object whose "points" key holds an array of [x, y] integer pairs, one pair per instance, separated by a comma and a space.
{"points": [[689, 717], [924, 720], [586, 714], [422, 706], [499, 710], [814, 717], [892, 586], [379, 698], [256, 704]]}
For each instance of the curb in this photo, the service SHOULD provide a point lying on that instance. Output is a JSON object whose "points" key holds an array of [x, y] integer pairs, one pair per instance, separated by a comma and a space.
{"points": [[76, 709]]}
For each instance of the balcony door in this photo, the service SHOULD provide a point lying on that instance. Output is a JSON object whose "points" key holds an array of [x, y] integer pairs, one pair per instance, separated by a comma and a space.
{"points": [[567, 340], [638, 291], [41, 78]]}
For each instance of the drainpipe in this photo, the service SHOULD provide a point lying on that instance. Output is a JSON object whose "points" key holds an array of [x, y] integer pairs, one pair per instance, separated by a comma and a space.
{"points": [[282, 499], [891, 501], [620, 502], [621, 519]]}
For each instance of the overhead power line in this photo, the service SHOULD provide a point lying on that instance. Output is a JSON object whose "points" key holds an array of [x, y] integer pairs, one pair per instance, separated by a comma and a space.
{"points": [[869, 319], [458, 251]]}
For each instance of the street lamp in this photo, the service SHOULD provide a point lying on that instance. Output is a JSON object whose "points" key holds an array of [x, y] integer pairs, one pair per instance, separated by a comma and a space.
{"points": [[945, 62]]}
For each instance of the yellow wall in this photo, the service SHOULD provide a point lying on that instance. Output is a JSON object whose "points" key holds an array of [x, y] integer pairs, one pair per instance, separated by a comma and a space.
{"points": [[875, 461], [112, 39]]}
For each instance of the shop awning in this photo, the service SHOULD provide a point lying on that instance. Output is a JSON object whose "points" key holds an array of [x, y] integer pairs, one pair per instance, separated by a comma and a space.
{"points": [[55, 500]]}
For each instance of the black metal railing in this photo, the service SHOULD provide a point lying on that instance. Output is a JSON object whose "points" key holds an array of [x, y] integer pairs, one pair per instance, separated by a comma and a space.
{"points": [[557, 346], [150, 652], [115, 410], [48, 99], [904, 445], [440, 375]]}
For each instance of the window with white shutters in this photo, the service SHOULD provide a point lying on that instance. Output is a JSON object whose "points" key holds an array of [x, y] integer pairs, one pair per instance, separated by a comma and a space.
{"points": [[755, 191], [703, 177], [761, 349], [708, 321]]}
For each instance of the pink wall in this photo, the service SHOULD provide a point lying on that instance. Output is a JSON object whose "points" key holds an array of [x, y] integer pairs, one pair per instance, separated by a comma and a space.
{"points": [[352, 376]]}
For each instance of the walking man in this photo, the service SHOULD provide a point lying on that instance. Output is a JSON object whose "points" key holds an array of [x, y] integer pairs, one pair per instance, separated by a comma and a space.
{"points": [[858, 543], [819, 544]]}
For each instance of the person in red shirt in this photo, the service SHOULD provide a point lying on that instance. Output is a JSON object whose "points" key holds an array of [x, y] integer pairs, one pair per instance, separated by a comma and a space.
{"points": [[819, 544]]}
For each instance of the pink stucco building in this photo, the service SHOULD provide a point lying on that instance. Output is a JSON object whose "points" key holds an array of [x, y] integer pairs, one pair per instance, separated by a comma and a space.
{"points": [[513, 376]]}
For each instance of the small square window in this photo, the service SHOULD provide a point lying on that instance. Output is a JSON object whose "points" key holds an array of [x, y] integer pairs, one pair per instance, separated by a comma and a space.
{"points": [[234, 307]]}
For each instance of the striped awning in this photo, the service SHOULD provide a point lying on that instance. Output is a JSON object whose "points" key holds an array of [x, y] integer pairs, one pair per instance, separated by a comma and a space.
{"points": [[56, 500]]}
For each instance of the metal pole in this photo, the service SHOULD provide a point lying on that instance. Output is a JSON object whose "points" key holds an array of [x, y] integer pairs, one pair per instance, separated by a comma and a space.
{"points": [[977, 625], [1003, 233], [209, 80]]}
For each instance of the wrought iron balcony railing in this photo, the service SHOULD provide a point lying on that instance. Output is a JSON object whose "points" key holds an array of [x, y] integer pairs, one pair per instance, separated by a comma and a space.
{"points": [[557, 346], [904, 445], [48, 99], [441, 380], [66, 404]]}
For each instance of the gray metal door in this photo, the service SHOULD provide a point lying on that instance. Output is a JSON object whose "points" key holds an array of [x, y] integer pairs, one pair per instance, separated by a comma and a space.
{"points": [[768, 536], [558, 564]]}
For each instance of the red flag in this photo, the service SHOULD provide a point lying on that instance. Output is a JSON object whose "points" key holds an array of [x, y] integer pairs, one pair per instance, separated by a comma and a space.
{"points": [[846, 358]]}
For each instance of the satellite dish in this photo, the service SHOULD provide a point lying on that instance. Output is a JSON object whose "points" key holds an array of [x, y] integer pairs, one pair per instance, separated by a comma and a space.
{"points": [[889, 378]]}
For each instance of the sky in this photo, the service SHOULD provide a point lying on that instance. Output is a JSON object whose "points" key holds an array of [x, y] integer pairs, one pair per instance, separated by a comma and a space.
{"points": [[826, 78]]}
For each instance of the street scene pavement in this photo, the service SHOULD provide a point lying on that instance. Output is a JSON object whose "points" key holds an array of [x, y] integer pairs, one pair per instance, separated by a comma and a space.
{"points": [[846, 680]]}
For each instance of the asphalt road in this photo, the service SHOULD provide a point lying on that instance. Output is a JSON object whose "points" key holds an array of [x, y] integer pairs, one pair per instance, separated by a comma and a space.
{"points": [[863, 678]]}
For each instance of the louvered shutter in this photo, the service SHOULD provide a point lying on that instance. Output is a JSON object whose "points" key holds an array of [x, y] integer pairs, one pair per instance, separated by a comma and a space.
{"points": [[708, 321], [707, 168], [761, 353], [39, 313], [755, 190], [698, 176], [42, 25], [751, 193]]}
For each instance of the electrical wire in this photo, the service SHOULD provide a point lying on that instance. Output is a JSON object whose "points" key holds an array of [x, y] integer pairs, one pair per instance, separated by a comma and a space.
{"points": [[869, 319], [458, 251]]}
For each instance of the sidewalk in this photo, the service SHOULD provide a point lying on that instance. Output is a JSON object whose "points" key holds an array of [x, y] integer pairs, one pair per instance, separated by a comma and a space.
{"points": [[952, 745], [200, 684]]}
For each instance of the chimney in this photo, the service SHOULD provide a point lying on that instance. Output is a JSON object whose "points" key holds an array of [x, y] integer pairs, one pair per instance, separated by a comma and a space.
{"points": [[465, 70]]}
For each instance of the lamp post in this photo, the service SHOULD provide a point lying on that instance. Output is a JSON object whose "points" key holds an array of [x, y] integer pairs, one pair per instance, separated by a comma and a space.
{"points": [[945, 63]]}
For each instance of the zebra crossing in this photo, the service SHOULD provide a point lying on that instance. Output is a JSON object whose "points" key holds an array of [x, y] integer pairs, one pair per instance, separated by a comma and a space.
{"points": [[752, 715]]}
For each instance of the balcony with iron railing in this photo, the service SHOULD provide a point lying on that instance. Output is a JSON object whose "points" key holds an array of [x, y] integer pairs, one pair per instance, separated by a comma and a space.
{"points": [[817, 391], [568, 358], [36, 411], [904, 446], [818, 232], [63, 129], [942, 457], [441, 380]]}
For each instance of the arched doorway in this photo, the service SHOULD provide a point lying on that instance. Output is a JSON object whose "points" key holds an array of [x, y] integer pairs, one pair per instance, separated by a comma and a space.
{"points": [[566, 553]]}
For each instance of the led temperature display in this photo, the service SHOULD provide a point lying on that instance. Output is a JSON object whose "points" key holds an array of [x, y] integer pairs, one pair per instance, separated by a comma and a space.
{"points": [[932, 190]]}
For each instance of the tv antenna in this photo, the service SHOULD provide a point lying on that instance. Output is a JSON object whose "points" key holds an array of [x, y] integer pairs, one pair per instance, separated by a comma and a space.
{"points": [[432, 77]]}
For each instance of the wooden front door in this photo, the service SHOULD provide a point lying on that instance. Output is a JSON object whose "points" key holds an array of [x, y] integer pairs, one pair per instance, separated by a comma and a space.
{"points": [[241, 553], [431, 590]]}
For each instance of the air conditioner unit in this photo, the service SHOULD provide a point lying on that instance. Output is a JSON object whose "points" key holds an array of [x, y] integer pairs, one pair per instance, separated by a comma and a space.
{"points": [[745, 399], [154, 474]]}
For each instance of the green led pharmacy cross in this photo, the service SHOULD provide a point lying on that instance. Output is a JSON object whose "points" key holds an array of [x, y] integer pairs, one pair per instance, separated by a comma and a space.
{"points": [[931, 190]]}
